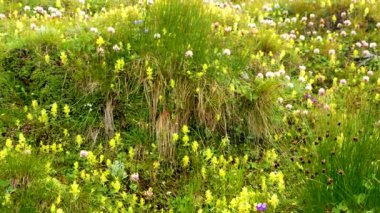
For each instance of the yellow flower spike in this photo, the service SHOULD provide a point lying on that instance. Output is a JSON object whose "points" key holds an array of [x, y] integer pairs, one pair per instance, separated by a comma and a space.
{"points": [[47, 59], [54, 109], [74, 189], [112, 143], [222, 173], [63, 57], [274, 201], [175, 137], [9, 143], [185, 161], [79, 140], [116, 185], [100, 41], [185, 129], [194, 146], [66, 110], [185, 140], [209, 197]]}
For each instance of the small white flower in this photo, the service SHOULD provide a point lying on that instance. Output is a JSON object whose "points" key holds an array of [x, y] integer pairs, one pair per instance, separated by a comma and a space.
{"points": [[27, 151], [227, 52], [316, 51], [370, 73], [378, 24], [269, 74], [94, 30], [111, 30], [289, 106], [27, 8], [302, 68], [321, 91], [33, 26], [116, 48], [358, 44], [189, 54], [290, 85], [365, 44], [2, 16], [287, 77], [280, 100], [83, 154], [82, 1], [372, 45], [347, 22], [149, 2], [312, 16], [260, 75], [304, 19], [308, 87], [157, 36], [302, 37], [366, 79], [343, 82], [228, 29], [331, 52], [353, 32], [366, 53]]}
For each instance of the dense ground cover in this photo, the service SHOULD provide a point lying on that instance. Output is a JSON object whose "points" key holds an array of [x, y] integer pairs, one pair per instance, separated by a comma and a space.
{"points": [[189, 106]]}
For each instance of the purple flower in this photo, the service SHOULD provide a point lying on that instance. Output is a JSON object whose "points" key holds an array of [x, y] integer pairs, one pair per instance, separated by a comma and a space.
{"points": [[262, 207]]}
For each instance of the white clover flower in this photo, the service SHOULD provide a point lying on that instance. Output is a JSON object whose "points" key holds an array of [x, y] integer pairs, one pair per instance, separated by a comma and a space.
{"points": [[308, 87], [269, 74], [302, 68], [33, 26], [280, 100], [189, 54], [116, 48], [343, 14], [111, 30], [27, 8], [227, 52], [358, 44], [302, 79], [331, 52], [370, 73], [157, 36], [366, 53], [343, 82], [289, 106], [149, 2], [372, 45], [319, 38], [353, 32], [304, 19], [2, 16], [227, 29], [260, 75], [294, 19], [135, 177], [365, 44], [291, 85], [347, 23], [316, 51], [378, 24], [312, 15], [305, 112], [83, 154], [302, 37], [343, 33], [287, 77], [82, 1], [366, 79], [94, 29], [321, 91]]}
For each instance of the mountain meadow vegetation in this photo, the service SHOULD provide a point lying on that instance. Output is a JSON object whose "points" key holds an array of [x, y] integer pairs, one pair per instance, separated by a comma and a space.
{"points": [[189, 106]]}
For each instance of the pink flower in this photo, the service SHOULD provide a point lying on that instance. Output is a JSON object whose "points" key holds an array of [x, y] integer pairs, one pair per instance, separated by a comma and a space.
{"points": [[135, 177], [343, 82]]}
